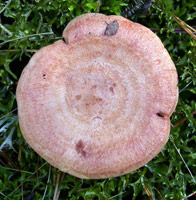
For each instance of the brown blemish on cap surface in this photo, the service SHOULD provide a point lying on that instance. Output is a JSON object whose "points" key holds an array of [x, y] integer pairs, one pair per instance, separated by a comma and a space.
{"points": [[80, 148]]}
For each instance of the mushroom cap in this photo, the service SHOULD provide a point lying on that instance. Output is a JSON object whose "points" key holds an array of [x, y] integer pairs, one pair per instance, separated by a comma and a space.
{"points": [[99, 105]]}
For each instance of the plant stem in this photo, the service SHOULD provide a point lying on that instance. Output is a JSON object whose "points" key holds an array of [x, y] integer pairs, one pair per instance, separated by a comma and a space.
{"points": [[26, 36], [8, 3], [5, 29]]}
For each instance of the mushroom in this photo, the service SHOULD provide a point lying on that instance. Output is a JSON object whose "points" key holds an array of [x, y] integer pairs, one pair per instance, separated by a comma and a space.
{"points": [[99, 104]]}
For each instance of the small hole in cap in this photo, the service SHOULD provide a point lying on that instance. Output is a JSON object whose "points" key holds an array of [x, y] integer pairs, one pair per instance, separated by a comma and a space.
{"points": [[160, 114]]}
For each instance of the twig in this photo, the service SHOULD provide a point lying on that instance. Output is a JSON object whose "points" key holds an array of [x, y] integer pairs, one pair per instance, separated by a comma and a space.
{"points": [[47, 183], [176, 30], [185, 87], [117, 195], [190, 195], [5, 29], [8, 113], [1, 161], [158, 193], [148, 192], [62, 177], [16, 170], [41, 20], [8, 3], [98, 5], [22, 192], [4, 196], [8, 160], [56, 193], [190, 30], [16, 50], [182, 120], [27, 36], [28, 178], [37, 174], [183, 160]]}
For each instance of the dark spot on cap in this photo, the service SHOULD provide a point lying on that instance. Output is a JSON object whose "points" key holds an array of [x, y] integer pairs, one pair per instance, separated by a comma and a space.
{"points": [[112, 28], [44, 76], [87, 104], [111, 90], [78, 97], [98, 99], [80, 148]]}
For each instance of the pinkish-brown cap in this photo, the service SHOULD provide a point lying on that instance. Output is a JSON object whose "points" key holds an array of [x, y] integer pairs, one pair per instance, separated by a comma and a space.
{"points": [[99, 105]]}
